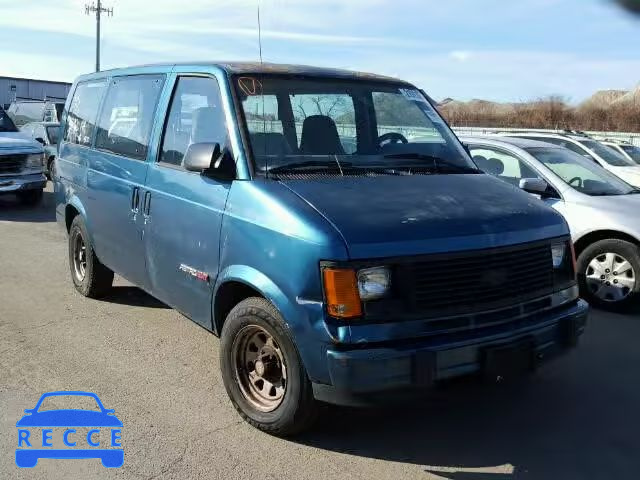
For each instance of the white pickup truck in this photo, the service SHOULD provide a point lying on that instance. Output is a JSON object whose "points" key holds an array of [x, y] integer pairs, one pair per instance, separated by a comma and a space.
{"points": [[21, 163]]}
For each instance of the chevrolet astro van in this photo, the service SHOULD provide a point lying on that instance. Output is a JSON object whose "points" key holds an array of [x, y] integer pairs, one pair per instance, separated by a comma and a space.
{"points": [[326, 224]]}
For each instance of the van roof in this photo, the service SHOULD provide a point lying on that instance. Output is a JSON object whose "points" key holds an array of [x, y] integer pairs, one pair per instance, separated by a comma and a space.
{"points": [[258, 68]]}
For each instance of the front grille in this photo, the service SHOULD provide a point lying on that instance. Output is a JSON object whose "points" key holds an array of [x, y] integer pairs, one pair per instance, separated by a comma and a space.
{"points": [[12, 163], [477, 281]]}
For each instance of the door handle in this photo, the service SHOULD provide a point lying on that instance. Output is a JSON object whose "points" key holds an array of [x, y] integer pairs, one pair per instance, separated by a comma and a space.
{"points": [[147, 203], [135, 199]]}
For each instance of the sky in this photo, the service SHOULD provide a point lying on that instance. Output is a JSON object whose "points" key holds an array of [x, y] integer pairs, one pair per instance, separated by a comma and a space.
{"points": [[501, 50]]}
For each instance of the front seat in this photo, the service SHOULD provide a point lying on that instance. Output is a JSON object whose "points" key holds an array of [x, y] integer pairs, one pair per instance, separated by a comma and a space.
{"points": [[320, 137], [204, 125], [495, 166]]}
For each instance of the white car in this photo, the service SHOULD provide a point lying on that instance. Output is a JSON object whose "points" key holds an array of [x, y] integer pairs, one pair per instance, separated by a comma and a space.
{"points": [[625, 149], [616, 163], [598, 207]]}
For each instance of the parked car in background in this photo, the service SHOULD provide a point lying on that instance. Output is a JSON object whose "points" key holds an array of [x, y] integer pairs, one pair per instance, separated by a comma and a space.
{"points": [[331, 276], [21, 163], [25, 111], [602, 210], [625, 149], [590, 148], [47, 134]]}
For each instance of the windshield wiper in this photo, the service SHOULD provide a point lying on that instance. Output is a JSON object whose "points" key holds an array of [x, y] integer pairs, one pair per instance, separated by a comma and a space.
{"points": [[439, 164], [311, 164]]}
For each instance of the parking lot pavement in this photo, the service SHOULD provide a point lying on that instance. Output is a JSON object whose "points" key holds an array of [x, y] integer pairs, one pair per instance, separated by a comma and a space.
{"points": [[575, 419]]}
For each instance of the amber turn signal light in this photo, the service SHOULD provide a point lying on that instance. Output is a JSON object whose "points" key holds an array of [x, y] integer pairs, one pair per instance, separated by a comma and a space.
{"points": [[341, 292]]}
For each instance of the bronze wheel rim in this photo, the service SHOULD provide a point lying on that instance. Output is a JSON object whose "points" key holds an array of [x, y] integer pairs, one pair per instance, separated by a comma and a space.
{"points": [[260, 369]]}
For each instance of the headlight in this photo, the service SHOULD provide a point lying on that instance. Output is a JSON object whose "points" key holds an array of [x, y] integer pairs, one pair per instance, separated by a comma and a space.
{"points": [[35, 160], [558, 254], [373, 282], [564, 264]]}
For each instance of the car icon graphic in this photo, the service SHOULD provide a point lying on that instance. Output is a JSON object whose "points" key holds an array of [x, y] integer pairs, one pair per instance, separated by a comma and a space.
{"points": [[102, 420]]}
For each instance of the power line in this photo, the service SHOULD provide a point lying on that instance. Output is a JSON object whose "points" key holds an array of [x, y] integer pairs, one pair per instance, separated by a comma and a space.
{"points": [[98, 10]]}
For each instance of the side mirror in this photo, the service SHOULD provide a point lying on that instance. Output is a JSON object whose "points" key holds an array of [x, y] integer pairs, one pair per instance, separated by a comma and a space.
{"points": [[201, 157], [40, 140], [209, 159], [536, 186]]}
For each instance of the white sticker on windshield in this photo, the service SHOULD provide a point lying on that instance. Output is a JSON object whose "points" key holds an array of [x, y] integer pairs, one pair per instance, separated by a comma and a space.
{"points": [[413, 95]]}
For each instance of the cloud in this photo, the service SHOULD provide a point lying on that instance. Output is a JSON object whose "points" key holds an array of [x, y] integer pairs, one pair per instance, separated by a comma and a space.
{"points": [[460, 55]]}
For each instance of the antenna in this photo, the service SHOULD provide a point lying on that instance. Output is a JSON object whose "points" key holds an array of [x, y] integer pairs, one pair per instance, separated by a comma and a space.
{"points": [[98, 10], [259, 33]]}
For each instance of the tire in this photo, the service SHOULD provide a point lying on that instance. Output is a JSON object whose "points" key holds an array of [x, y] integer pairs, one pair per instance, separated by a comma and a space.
{"points": [[94, 280], [623, 288], [31, 197], [51, 169], [297, 409]]}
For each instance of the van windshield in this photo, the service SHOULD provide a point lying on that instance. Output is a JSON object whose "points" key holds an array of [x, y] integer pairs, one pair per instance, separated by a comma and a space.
{"points": [[302, 125]]}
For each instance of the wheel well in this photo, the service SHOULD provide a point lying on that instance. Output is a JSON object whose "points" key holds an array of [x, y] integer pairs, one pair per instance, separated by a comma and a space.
{"points": [[593, 237], [70, 213], [228, 296]]}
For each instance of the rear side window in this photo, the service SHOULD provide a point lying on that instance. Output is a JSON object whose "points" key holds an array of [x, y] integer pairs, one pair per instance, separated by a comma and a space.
{"points": [[83, 111], [127, 116]]}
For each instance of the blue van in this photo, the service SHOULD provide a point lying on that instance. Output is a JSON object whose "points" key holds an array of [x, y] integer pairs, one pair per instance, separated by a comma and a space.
{"points": [[327, 225]]}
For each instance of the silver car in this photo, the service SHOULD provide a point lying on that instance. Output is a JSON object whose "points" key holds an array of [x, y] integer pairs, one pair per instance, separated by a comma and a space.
{"points": [[600, 208]]}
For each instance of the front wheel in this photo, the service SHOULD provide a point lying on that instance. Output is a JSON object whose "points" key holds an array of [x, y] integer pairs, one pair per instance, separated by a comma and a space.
{"points": [[608, 273], [52, 169], [262, 370]]}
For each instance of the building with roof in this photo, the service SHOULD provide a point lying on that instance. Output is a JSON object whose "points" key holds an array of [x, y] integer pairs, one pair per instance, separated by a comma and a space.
{"points": [[16, 88]]}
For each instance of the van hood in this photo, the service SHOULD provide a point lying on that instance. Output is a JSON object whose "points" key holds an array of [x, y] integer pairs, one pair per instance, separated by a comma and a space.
{"points": [[19, 142], [390, 216]]}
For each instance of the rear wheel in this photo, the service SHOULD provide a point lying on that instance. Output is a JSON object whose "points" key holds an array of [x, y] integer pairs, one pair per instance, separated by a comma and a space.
{"points": [[90, 277], [262, 370], [609, 274], [30, 197]]}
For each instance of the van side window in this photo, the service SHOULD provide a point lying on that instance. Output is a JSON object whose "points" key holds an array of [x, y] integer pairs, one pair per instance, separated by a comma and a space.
{"points": [[127, 116], [195, 116], [83, 111]]}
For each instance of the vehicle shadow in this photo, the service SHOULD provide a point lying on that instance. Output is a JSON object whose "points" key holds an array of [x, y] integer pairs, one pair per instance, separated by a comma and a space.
{"points": [[558, 423], [11, 210], [134, 297]]}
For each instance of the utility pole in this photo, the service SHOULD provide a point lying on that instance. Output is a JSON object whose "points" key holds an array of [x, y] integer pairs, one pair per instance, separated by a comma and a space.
{"points": [[98, 10]]}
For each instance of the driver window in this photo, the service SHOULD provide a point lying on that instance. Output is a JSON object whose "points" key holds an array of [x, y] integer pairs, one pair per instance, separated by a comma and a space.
{"points": [[502, 165], [195, 116]]}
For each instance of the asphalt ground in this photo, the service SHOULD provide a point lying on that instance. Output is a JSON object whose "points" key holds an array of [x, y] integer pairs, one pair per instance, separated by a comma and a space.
{"points": [[576, 418]]}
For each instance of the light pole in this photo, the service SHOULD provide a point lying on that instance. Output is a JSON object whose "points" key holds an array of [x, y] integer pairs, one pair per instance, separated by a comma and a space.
{"points": [[98, 10]]}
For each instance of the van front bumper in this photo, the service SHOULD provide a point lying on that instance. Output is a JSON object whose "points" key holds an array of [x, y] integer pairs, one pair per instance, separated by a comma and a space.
{"points": [[13, 184], [358, 374]]}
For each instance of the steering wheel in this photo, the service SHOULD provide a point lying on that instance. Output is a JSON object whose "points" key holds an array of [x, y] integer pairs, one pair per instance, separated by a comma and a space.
{"points": [[576, 179], [392, 137]]}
